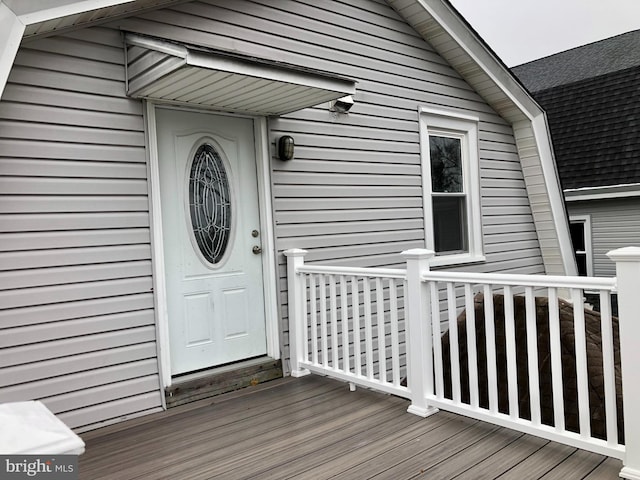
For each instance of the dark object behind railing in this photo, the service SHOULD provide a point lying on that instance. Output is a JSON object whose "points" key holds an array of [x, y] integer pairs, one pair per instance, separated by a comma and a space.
{"points": [[567, 342]]}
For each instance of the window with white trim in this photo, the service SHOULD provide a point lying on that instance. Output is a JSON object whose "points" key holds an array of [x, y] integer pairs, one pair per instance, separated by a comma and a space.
{"points": [[580, 229], [451, 185]]}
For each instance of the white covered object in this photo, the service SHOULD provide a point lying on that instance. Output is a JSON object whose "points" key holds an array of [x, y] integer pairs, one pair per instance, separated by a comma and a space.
{"points": [[29, 428]]}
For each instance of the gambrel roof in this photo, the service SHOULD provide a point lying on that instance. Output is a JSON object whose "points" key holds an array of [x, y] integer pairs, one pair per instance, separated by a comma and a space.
{"points": [[435, 20], [592, 100]]}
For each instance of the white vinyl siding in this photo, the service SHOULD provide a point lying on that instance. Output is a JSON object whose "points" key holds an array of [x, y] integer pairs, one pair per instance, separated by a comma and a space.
{"points": [[615, 223], [77, 326]]}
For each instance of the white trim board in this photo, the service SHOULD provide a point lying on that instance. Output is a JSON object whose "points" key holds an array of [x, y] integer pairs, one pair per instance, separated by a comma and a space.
{"points": [[602, 193], [266, 226], [11, 31], [461, 125], [51, 11]]}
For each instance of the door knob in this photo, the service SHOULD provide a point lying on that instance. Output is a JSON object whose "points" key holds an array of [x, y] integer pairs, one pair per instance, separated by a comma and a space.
{"points": [[256, 250]]}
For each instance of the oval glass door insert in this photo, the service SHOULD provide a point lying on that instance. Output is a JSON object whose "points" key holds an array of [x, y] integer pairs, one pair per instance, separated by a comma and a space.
{"points": [[210, 203]]}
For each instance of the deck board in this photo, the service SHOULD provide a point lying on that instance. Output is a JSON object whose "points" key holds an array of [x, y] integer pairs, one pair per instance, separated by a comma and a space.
{"points": [[504, 459], [540, 462], [315, 428]]}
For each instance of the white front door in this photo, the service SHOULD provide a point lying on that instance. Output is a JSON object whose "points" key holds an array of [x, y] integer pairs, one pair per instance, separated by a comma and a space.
{"points": [[211, 234]]}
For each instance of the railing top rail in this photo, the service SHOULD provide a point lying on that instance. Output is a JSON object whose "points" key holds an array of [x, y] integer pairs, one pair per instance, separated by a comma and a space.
{"points": [[587, 283], [354, 271]]}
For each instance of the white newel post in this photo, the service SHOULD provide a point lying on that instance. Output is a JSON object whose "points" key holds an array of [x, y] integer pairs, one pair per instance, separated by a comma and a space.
{"points": [[419, 333], [295, 260], [628, 283]]}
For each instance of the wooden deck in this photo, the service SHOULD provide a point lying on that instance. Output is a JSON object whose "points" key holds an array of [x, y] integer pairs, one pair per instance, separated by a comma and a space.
{"points": [[315, 428]]}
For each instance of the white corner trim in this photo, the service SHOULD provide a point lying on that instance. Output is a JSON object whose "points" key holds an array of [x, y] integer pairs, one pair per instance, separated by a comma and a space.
{"points": [[554, 192], [157, 249], [269, 264], [11, 31]]}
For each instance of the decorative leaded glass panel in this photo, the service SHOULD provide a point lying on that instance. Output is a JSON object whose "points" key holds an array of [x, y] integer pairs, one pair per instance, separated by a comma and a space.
{"points": [[210, 203]]}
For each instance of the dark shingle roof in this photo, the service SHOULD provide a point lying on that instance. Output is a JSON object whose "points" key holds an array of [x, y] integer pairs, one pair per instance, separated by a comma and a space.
{"points": [[588, 61], [593, 109]]}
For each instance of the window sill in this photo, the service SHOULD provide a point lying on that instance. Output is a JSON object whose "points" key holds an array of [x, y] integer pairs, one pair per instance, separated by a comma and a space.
{"points": [[451, 260]]}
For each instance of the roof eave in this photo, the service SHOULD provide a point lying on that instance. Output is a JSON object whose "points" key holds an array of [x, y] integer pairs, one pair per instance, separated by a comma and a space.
{"points": [[604, 192]]}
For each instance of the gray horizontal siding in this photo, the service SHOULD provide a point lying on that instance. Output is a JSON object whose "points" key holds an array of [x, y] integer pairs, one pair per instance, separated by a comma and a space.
{"points": [[77, 327], [352, 195], [615, 223]]}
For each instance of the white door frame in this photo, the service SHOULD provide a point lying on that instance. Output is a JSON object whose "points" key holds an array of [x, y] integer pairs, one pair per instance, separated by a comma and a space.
{"points": [[261, 136]]}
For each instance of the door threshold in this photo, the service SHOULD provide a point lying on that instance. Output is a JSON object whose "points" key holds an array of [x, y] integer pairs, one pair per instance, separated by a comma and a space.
{"points": [[226, 378]]}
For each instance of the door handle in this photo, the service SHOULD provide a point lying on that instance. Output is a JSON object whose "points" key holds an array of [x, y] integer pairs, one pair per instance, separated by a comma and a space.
{"points": [[256, 250]]}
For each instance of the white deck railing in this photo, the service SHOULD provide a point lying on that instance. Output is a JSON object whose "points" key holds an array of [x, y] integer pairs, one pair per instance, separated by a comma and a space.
{"points": [[417, 334]]}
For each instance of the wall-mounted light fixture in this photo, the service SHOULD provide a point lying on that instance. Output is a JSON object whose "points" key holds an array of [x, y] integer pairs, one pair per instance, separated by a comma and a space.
{"points": [[342, 105], [285, 147]]}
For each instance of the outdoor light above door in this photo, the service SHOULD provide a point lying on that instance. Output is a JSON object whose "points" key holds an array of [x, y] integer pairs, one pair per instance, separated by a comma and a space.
{"points": [[285, 147]]}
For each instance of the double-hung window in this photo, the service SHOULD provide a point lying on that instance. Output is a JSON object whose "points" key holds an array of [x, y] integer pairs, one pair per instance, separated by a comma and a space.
{"points": [[580, 229], [449, 150]]}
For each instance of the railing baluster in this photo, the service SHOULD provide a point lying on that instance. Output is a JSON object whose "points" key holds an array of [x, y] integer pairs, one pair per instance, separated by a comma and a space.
{"points": [[532, 355], [382, 349], [321, 338], [395, 340], [344, 321], [582, 375], [437, 339], [305, 317], [556, 360], [368, 341], [453, 342], [472, 349], [608, 368], [322, 296], [355, 298], [490, 338], [333, 302], [314, 319], [510, 335]]}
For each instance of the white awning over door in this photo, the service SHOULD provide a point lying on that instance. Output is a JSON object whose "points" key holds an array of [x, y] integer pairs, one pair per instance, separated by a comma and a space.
{"points": [[162, 70]]}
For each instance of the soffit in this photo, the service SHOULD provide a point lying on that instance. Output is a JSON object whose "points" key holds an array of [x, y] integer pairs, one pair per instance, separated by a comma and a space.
{"points": [[161, 70], [42, 17], [449, 34]]}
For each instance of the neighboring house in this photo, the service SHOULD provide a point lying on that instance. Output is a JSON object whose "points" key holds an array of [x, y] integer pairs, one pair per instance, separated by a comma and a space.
{"points": [[592, 98], [145, 207]]}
